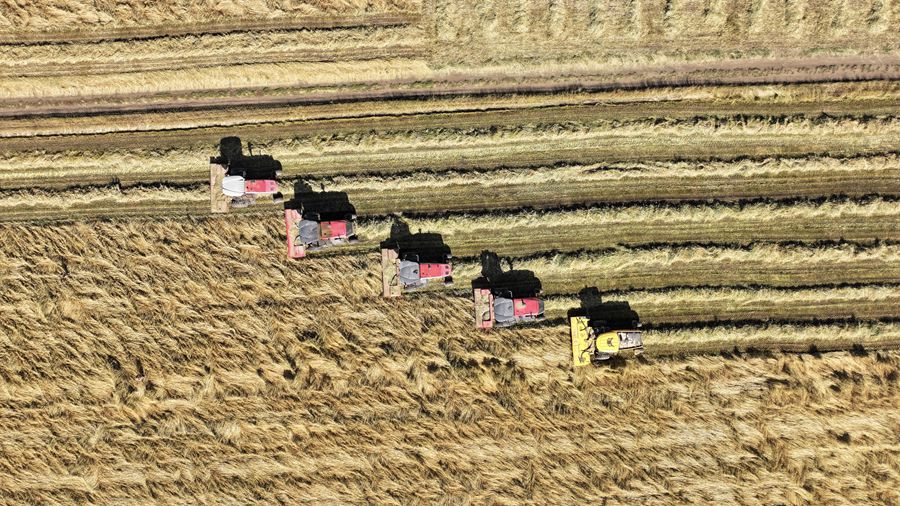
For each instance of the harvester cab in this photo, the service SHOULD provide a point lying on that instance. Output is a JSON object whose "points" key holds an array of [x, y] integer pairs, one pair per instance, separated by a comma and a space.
{"points": [[237, 180], [602, 330], [317, 220], [413, 261], [505, 298]]}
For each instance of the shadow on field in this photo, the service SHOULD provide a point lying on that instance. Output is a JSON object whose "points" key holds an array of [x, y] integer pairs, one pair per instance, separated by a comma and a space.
{"points": [[512, 283], [320, 205], [249, 166], [614, 314], [425, 247]]}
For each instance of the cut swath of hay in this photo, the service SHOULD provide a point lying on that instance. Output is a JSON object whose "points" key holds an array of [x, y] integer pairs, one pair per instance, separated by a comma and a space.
{"points": [[862, 95], [687, 305], [759, 264]]}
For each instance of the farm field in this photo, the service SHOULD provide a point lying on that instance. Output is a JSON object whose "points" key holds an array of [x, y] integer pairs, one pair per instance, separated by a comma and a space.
{"points": [[730, 171]]}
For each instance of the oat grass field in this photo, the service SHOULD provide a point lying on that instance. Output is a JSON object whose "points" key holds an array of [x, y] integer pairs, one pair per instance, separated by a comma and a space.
{"points": [[728, 169]]}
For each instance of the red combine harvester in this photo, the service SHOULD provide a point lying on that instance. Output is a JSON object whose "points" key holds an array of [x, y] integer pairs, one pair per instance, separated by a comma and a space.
{"points": [[503, 299], [505, 310], [237, 180], [413, 261], [317, 220]]}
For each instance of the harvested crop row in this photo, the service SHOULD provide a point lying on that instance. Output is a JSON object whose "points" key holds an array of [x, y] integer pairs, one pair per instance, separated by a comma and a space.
{"points": [[209, 50], [90, 22], [198, 106], [697, 266], [263, 125], [799, 337], [689, 305], [781, 99], [436, 150], [408, 78], [786, 337], [504, 189], [517, 234]]}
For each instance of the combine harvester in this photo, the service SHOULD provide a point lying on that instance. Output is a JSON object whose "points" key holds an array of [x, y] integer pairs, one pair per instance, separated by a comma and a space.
{"points": [[505, 309], [237, 180], [602, 330], [318, 220], [413, 261], [503, 299]]}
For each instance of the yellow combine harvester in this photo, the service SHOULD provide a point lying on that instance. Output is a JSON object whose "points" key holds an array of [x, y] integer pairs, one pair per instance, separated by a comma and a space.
{"points": [[593, 341]]}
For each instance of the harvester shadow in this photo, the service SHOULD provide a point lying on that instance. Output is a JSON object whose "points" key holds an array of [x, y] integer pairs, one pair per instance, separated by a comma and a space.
{"points": [[614, 314], [321, 205], [512, 283], [248, 166], [425, 246]]}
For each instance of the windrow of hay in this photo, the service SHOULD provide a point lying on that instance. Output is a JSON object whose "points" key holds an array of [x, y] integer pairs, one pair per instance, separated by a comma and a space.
{"points": [[73, 16], [689, 305], [759, 264], [836, 99], [514, 189], [204, 49], [532, 146]]}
